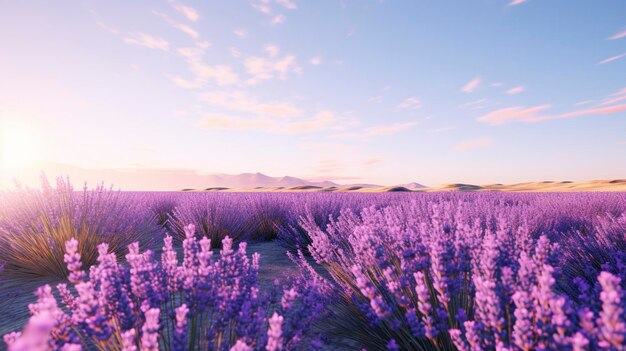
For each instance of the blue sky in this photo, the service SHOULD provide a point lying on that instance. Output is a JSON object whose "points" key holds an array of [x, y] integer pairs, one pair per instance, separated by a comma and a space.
{"points": [[354, 91]]}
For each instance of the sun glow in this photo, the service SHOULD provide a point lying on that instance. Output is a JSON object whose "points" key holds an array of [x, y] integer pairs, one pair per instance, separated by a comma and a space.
{"points": [[19, 149]]}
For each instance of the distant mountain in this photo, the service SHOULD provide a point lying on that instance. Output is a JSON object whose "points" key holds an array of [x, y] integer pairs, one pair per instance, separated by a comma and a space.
{"points": [[154, 179], [172, 179], [412, 186], [254, 180]]}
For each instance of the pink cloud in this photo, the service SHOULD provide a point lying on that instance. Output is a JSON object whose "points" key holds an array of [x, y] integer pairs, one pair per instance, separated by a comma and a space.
{"points": [[241, 33], [516, 2], [240, 101], [316, 61], [534, 114], [410, 103], [287, 4], [471, 86], [377, 131], [262, 6], [619, 35], [272, 50], [261, 68], [321, 121], [475, 105], [611, 59], [512, 114], [472, 144], [182, 27], [592, 111], [189, 12], [278, 19], [613, 100], [516, 90], [584, 102], [148, 41]]}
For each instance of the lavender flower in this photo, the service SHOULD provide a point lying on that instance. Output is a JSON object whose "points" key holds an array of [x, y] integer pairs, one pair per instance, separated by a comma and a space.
{"points": [[275, 342], [72, 259], [128, 340], [612, 328], [150, 329], [179, 339]]}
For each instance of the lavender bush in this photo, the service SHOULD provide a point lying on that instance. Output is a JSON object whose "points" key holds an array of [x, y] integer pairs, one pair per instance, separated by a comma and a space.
{"points": [[447, 276], [404, 271], [35, 224], [203, 302]]}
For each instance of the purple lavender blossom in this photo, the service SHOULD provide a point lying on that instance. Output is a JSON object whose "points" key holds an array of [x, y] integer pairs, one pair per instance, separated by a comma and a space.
{"points": [[274, 333], [129, 340], [150, 330], [179, 339], [612, 328], [72, 259]]}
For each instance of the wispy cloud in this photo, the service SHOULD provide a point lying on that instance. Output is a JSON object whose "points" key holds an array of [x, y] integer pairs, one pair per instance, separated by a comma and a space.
{"points": [[538, 113], [241, 33], [516, 90], [471, 86], [234, 52], [261, 68], [584, 102], [189, 12], [619, 35], [410, 103], [389, 130], [315, 61], [148, 41], [262, 6], [272, 50], [535, 114], [475, 105], [472, 144], [182, 27], [240, 101], [516, 2], [611, 59], [514, 114], [378, 131], [287, 4], [107, 27], [616, 97], [321, 121], [203, 73], [278, 19], [265, 7]]}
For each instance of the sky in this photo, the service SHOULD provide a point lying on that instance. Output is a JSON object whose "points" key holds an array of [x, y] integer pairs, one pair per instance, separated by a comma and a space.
{"points": [[387, 92]]}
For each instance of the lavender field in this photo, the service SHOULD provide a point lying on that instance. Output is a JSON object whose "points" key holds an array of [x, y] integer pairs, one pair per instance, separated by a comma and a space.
{"points": [[97, 269]]}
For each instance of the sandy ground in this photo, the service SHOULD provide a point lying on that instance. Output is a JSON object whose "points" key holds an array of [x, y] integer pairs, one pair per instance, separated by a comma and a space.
{"points": [[545, 186]]}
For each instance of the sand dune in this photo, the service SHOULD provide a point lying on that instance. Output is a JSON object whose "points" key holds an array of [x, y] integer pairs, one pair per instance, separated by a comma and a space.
{"points": [[544, 186]]}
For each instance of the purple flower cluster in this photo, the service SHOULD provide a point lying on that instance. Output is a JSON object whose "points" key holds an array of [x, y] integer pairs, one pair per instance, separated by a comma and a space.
{"points": [[412, 271], [35, 224], [444, 276], [205, 301]]}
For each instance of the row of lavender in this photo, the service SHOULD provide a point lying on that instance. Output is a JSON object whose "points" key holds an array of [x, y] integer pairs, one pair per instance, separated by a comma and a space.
{"points": [[442, 271], [478, 274]]}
